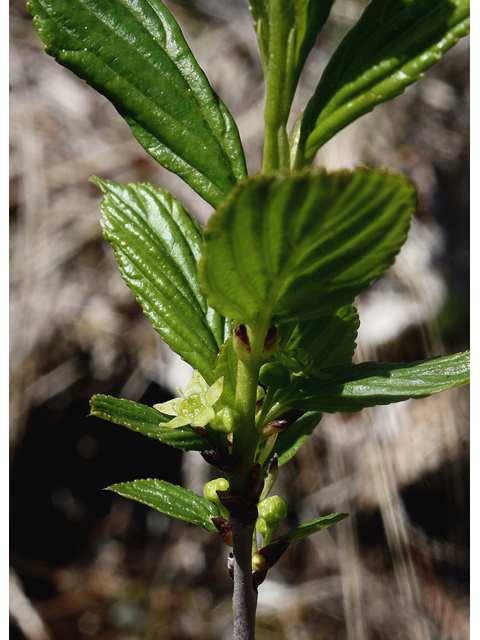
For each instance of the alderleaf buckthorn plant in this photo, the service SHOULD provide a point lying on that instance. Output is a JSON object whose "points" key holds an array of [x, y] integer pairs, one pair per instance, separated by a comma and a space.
{"points": [[260, 302]]}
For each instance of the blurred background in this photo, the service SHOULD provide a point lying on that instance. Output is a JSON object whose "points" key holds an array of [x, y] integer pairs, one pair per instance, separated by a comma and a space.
{"points": [[87, 564]]}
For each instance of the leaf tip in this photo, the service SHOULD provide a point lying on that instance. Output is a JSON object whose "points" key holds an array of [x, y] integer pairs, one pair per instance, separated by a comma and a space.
{"points": [[98, 182]]}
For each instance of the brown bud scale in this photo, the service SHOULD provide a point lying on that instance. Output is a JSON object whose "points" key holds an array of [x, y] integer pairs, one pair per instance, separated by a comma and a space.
{"points": [[241, 334], [224, 528]]}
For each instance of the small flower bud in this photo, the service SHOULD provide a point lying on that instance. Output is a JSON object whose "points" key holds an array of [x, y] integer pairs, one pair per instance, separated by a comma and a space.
{"points": [[270, 512], [210, 493], [272, 509], [270, 553], [259, 570], [266, 529]]}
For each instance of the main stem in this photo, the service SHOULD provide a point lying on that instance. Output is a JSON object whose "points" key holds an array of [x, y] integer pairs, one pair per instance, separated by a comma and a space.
{"points": [[245, 441], [244, 596]]}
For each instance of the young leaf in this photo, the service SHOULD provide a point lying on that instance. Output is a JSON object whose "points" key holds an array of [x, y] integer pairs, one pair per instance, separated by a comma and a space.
{"points": [[227, 367], [286, 247], [170, 499], [146, 420], [307, 528], [310, 346], [133, 52], [278, 20], [157, 245], [290, 441], [351, 388], [286, 31], [392, 45]]}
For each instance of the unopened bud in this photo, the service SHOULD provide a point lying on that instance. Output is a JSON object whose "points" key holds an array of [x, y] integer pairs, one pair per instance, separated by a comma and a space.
{"points": [[267, 530], [270, 343], [259, 570], [210, 493], [241, 343], [274, 427], [272, 509], [272, 552], [281, 423], [270, 512]]}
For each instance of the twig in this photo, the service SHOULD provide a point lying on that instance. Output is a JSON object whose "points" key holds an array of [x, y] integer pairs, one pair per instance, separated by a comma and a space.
{"points": [[244, 596]]}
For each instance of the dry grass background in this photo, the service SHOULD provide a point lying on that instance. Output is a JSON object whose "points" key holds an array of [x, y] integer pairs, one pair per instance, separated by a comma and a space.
{"points": [[86, 564]]}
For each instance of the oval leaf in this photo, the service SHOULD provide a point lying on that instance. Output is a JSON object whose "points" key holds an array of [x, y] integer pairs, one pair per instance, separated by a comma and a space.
{"points": [[133, 52], [392, 45], [292, 247], [170, 499], [146, 420], [373, 383], [157, 245]]}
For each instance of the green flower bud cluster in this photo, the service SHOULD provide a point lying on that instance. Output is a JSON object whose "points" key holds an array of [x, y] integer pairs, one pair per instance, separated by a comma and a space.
{"points": [[271, 511]]}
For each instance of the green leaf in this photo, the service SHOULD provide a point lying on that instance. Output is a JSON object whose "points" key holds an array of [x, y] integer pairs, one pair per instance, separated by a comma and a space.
{"points": [[310, 346], [227, 366], [299, 246], [146, 420], [287, 30], [313, 526], [133, 52], [392, 45], [157, 245], [290, 441], [170, 499], [351, 388]]}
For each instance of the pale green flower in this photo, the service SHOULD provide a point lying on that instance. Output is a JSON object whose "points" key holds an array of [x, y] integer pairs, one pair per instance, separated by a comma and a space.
{"points": [[195, 405]]}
